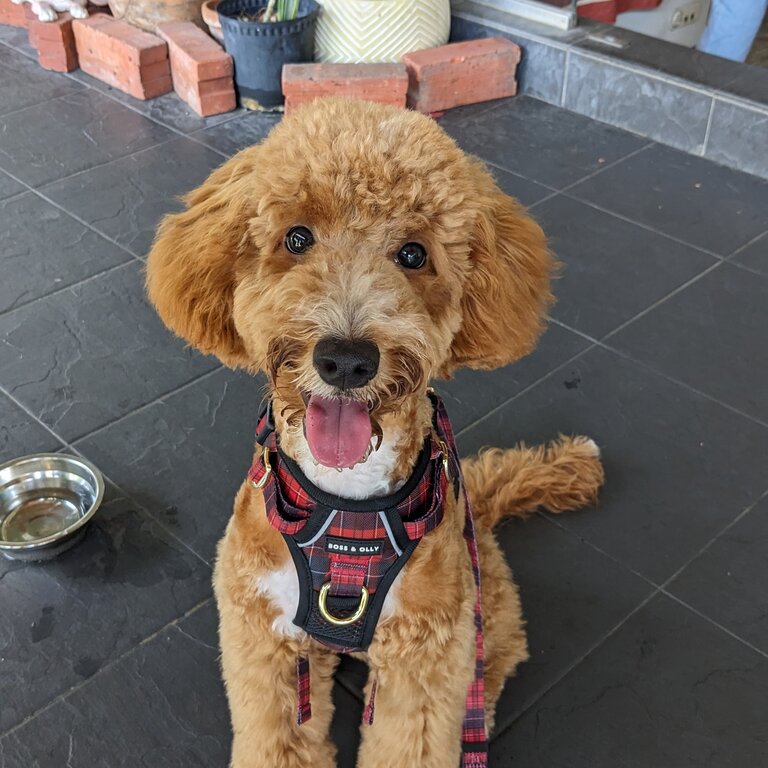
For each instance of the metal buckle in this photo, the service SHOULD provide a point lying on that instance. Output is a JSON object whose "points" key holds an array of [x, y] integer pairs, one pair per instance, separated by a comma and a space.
{"points": [[267, 470], [349, 619]]}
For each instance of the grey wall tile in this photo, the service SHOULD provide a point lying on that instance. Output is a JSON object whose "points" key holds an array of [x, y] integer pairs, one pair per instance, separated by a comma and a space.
{"points": [[738, 137], [541, 70], [651, 107]]}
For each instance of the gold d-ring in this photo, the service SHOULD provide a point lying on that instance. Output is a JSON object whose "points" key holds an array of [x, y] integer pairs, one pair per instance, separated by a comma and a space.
{"points": [[262, 481], [349, 619]]}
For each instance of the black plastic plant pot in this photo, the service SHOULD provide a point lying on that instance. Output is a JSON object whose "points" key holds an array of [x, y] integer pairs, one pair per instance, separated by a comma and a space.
{"points": [[259, 49]]}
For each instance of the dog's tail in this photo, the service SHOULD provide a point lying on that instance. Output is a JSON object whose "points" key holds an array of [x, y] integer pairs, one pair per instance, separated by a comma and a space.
{"points": [[564, 474]]}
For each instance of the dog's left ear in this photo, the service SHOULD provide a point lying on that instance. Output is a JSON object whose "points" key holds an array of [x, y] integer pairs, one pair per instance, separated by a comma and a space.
{"points": [[507, 294]]}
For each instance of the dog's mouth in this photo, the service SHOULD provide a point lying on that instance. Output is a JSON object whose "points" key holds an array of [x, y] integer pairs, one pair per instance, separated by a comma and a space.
{"points": [[338, 430]]}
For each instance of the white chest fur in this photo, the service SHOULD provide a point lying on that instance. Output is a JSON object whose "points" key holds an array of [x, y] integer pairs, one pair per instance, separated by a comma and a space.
{"points": [[363, 481]]}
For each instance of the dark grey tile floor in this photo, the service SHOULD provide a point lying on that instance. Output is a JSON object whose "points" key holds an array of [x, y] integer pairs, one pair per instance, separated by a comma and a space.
{"points": [[646, 616]]}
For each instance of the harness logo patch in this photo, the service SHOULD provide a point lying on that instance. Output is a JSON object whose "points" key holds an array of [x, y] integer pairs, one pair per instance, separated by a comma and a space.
{"points": [[358, 547]]}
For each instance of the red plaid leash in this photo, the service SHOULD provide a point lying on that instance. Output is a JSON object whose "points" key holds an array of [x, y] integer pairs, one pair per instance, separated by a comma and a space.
{"points": [[474, 734], [297, 506]]}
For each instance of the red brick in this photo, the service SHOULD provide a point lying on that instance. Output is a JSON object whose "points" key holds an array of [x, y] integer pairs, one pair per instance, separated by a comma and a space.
{"points": [[219, 85], [216, 103], [201, 69], [58, 62], [154, 88], [385, 83], [461, 73], [208, 98], [135, 82], [13, 15], [55, 43], [123, 56], [194, 54], [108, 39]]}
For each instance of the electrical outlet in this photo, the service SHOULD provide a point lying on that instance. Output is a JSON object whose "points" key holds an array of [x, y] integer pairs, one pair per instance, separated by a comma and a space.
{"points": [[685, 15]]}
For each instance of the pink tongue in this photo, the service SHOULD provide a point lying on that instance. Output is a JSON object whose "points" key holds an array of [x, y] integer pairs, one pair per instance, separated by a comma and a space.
{"points": [[338, 431]]}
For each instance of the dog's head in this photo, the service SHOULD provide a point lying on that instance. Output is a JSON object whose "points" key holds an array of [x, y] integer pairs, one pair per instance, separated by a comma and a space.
{"points": [[352, 256]]}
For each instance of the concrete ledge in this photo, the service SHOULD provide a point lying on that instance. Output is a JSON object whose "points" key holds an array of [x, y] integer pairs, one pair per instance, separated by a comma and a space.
{"points": [[676, 96]]}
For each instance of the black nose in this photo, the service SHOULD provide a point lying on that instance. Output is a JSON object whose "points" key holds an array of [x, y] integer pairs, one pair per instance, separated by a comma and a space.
{"points": [[346, 364]]}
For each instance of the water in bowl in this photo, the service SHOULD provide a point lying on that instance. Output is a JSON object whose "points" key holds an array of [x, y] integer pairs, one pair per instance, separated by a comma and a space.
{"points": [[40, 513]]}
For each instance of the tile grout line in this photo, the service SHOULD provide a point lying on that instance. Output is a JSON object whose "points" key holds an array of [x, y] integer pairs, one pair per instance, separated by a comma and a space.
{"points": [[13, 112], [13, 48], [715, 624], [108, 95], [657, 589], [518, 175], [555, 190], [745, 268], [62, 289], [525, 389], [744, 512], [108, 666], [680, 288], [640, 224], [601, 343], [106, 163], [129, 497], [684, 385], [746, 245], [148, 512], [144, 406], [566, 69], [14, 197], [708, 129], [577, 662], [74, 216], [612, 164], [172, 128], [566, 327]]}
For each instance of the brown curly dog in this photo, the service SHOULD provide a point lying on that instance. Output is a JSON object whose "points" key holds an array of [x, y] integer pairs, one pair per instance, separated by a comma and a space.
{"points": [[352, 256]]}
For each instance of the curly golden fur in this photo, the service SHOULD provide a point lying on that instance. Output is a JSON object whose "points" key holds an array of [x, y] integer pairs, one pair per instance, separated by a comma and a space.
{"points": [[365, 179]]}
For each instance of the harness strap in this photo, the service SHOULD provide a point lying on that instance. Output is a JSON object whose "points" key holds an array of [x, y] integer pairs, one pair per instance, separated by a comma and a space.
{"points": [[303, 697], [371, 705], [474, 735]]}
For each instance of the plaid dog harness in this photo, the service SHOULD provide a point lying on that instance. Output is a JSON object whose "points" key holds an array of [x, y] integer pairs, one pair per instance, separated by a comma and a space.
{"points": [[347, 554]]}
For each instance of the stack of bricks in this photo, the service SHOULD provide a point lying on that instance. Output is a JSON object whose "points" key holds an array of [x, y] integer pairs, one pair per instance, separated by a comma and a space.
{"points": [[13, 15], [55, 42], [461, 73], [123, 56], [201, 69], [384, 83]]}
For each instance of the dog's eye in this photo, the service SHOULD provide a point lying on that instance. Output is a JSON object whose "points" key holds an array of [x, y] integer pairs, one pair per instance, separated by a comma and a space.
{"points": [[299, 240], [412, 256]]}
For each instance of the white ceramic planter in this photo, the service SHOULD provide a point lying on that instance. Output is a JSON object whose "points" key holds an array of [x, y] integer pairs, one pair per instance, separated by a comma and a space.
{"points": [[379, 30]]}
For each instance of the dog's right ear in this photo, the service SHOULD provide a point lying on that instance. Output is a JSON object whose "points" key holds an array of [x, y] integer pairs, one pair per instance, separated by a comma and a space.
{"points": [[195, 259]]}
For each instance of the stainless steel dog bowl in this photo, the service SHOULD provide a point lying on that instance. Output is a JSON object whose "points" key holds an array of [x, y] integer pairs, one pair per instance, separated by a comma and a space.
{"points": [[46, 501]]}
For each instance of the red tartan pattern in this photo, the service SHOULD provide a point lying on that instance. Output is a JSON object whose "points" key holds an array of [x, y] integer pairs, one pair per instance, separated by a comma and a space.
{"points": [[371, 705], [304, 706], [473, 729], [289, 508]]}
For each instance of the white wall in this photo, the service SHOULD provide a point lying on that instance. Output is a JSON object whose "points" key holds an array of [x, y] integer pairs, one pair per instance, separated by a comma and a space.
{"points": [[658, 22]]}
